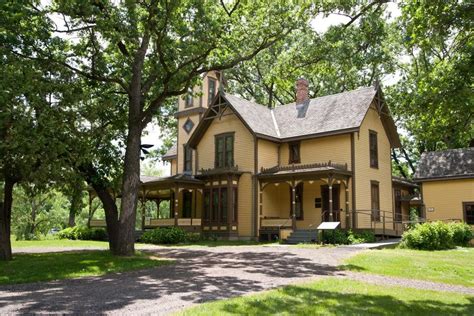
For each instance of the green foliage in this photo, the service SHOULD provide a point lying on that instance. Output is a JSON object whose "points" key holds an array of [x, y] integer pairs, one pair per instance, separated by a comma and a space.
{"points": [[83, 233], [347, 237], [436, 236], [193, 237], [168, 235], [462, 233]]}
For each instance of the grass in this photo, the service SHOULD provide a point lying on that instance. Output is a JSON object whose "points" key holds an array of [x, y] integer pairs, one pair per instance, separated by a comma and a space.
{"points": [[26, 268], [59, 243], [340, 297], [448, 266]]}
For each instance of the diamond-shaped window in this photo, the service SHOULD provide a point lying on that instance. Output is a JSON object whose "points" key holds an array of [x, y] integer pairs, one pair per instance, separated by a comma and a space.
{"points": [[188, 125]]}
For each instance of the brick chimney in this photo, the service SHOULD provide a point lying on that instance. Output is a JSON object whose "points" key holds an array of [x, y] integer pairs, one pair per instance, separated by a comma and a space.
{"points": [[302, 92]]}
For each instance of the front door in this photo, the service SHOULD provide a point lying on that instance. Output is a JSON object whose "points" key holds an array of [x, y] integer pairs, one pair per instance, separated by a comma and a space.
{"points": [[335, 203]]}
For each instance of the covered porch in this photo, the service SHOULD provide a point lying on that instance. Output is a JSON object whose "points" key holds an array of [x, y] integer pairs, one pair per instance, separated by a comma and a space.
{"points": [[165, 202], [300, 197]]}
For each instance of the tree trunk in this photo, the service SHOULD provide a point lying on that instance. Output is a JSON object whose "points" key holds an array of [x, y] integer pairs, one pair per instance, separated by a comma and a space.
{"points": [[130, 187], [76, 204], [5, 220], [111, 217]]}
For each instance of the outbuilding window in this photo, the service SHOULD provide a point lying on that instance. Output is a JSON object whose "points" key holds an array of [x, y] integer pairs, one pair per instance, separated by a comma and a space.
{"points": [[469, 213]]}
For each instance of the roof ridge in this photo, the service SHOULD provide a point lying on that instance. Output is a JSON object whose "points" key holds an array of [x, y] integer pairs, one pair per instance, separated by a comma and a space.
{"points": [[275, 123]]}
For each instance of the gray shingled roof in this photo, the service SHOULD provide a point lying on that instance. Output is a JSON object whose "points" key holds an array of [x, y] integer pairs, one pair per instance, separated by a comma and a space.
{"points": [[330, 113], [257, 117], [171, 153], [452, 163]]}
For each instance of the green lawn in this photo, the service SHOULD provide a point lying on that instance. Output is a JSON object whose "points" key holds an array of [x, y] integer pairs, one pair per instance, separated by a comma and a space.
{"points": [[341, 297], [25, 268], [449, 266], [59, 243]]}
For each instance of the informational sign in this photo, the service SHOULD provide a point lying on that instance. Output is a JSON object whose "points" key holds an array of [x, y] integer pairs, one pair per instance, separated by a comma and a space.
{"points": [[329, 225]]}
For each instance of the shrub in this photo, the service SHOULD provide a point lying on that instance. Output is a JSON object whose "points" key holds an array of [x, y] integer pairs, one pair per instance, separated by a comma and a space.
{"points": [[82, 233], [193, 237], [347, 237], [462, 233], [169, 235], [437, 236]]}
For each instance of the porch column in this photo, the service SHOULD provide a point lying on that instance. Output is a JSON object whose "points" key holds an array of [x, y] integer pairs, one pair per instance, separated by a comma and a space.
{"points": [[346, 186], [143, 209], [293, 205], [158, 202], [330, 202], [175, 209]]}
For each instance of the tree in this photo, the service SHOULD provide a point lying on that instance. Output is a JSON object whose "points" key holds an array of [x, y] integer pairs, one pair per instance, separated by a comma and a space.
{"points": [[355, 53], [434, 99], [148, 52]]}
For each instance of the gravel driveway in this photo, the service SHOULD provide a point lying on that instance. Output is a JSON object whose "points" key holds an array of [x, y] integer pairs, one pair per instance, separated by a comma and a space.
{"points": [[200, 274]]}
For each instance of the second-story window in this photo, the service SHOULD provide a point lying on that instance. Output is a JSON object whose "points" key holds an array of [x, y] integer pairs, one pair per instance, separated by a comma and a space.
{"points": [[374, 157], [189, 98], [224, 150], [294, 152], [211, 90], [188, 159]]}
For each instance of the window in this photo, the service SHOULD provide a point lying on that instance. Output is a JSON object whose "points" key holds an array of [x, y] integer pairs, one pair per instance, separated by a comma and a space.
{"points": [[375, 197], [188, 159], [469, 213], [224, 151], [294, 152], [187, 204], [223, 205], [188, 125], [298, 201], [216, 205], [374, 158], [189, 98], [211, 90]]}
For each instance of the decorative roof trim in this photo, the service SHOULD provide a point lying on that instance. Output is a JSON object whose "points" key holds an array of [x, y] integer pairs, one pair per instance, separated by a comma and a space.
{"points": [[275, 123]]}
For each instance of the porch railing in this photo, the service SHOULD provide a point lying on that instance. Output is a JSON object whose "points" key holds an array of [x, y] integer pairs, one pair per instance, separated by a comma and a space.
{"points": [[275, 222], [166, 222], [294, 167]]}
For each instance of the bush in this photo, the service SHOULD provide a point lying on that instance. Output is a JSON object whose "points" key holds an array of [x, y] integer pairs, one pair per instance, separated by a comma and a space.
{"points": [[169, 235], [347, 237], [462, 233], [193, 237], [436, 236], [82, 233]]}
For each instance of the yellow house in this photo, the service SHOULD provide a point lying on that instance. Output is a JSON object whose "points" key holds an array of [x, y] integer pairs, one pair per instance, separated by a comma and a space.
{"points": [[447, 184], [243, 170]]}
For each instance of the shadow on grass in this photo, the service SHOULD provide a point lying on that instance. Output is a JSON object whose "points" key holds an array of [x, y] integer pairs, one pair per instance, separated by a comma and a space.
{"points": [[296, 300], [352, 267], [27, 268]]}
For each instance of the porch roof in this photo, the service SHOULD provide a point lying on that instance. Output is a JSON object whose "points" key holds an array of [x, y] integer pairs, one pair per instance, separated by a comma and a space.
{"points": [[178, 180], [308, 171]]}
